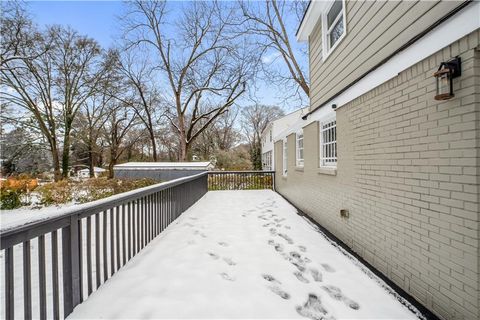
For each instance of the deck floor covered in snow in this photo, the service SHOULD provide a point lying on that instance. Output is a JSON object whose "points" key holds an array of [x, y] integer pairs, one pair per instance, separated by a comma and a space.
{"points": [[244, 254]]}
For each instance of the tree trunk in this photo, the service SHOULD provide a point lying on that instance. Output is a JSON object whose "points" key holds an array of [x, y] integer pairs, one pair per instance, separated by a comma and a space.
{"points": [[91, 165], [66, 150], [154, 145]]}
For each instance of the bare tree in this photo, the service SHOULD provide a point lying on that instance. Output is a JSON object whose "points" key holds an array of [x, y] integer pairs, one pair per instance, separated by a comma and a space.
{"points": [[53, 85], [146, 100], [255, 120], [221, 135], [267, 22], [120, 122], [206, 71], [18, 32]]}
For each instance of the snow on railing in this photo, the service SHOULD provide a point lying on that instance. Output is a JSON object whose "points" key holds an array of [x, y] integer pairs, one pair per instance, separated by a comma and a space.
{"points": [[122, 225], [241, 180]]}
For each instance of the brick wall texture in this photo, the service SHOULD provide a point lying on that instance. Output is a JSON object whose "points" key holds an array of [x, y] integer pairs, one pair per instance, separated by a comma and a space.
{"points": [[408, 172]]}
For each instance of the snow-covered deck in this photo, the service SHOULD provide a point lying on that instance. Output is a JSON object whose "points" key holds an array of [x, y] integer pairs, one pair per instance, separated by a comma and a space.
{"points": [[243, 254]]}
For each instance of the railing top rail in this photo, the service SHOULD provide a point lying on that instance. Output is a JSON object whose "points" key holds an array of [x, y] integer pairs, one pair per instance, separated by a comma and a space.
{"points": [[54, 223], [237, 171]]}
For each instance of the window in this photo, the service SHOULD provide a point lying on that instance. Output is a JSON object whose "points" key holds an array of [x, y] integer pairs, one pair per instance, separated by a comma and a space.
{"points": [[267, 160], [285, 164], [328, 143], [299, 146], [270, 135], [333, 26]]}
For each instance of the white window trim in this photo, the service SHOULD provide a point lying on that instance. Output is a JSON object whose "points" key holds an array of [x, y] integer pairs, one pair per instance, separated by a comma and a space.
{"points": [[325, 50], [320, 133], [285, 158], [300, 162]]}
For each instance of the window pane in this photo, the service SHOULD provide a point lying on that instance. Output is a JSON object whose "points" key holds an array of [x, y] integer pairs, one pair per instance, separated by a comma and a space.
{"points": [[336, 32], [334, 12]]}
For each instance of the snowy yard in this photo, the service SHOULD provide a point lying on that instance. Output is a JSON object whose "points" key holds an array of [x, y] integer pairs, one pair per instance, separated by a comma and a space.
{"points": [[243, 254]]}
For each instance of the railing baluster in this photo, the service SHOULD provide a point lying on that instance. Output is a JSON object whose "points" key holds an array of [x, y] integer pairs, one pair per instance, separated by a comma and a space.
{"points": [[105, 248], [112, 242], [55, 289], [80, 257], [129, 228], [97, 250], [71, 266], [89, 255], [142, 217], [124, 236], [139, 206], [27, 281], [117, 235], [9, 285]]}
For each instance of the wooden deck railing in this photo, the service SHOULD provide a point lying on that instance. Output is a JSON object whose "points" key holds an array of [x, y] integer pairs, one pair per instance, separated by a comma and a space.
{"points": [[241, 180], [122, 226]]}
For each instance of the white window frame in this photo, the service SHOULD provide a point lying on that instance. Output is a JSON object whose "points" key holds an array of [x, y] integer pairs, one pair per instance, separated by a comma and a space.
{"points": [[325, 161], [285, 158], [327, 50], [300, 160]]}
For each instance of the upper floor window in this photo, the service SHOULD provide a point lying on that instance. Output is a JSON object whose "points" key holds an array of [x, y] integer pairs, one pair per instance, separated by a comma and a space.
{"points": [[299, 146], [285, 164], [333, 26], [328, 143], [270, 135]]}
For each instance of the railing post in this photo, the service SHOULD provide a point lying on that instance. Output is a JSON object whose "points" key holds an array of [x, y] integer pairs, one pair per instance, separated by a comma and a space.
{"points": [[71, 267]]}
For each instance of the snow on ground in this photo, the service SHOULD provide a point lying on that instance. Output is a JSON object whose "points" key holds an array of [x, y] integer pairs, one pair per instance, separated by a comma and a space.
{"points": [[243, 254]]}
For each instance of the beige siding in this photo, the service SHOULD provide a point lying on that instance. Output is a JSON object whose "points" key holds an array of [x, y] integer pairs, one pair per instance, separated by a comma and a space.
{"points": [[375, 29], [408, 172]]}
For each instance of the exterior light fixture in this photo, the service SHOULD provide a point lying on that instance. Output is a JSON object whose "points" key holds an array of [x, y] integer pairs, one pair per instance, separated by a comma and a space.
{"points": [[444, 76], [334, 106]]}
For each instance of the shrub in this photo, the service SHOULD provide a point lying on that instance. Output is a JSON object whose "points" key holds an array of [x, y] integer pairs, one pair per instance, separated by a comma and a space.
{"points": [[99, 188], [56, 192], [10, 199], [13, 190]]}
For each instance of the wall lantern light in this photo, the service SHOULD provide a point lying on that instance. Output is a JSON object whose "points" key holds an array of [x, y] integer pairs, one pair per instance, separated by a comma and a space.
{"points": [[446, 72]]}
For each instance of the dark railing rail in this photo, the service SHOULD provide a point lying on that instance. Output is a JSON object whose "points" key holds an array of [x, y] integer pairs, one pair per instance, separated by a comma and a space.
{"points": [[241, 180], [122, 225]]}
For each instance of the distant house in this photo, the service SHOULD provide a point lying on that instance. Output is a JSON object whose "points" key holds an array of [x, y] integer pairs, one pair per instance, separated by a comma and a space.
{"points": [[273, 129], [85, 173], [160, 170]]}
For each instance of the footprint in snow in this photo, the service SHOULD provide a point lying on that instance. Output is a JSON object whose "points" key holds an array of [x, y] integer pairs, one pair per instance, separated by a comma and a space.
{"points": [[336, 293], [316, 275], [279, 292], [223, 244], [278, 225], [267, 224], [327, 267], [192, 218], [295, 254], [287, 238], [214, 256], [191, 242], [301, 277], [273, 231], [270, 278], [302, 248], [271, 242], [279, 247], [287, 227], [188, 224], [313, 309], [227, 277], [229, 261]]}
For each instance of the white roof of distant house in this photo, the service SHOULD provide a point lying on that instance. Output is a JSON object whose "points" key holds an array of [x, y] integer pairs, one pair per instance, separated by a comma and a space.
{"points": [[164, 165], [95, 169]]}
